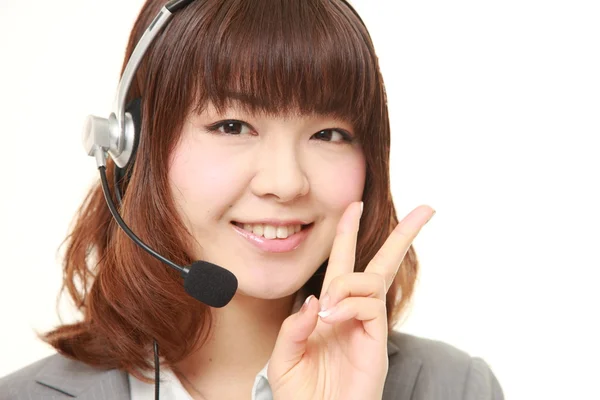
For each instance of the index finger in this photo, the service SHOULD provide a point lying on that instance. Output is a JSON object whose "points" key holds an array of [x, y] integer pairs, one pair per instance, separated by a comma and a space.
{"points": [[341, 258], [388, 259]]}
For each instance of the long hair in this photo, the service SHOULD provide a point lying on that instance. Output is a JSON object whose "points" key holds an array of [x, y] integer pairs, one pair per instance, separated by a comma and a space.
{"points": [[273, 56]]}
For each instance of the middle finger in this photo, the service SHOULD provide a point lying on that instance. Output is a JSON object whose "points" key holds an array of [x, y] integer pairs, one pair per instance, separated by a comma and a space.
{"points": [[389, 257]]}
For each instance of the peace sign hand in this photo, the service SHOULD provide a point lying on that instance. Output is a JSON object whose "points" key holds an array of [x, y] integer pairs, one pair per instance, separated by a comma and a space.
{"points": [[337, 350]]}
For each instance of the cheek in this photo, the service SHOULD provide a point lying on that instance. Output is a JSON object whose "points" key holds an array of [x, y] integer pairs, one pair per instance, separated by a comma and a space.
{"points": [[201, 180], [341, 182]]}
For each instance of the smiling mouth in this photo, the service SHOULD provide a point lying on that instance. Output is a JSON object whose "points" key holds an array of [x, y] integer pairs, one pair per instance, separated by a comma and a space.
{"points": [[272, 232]]}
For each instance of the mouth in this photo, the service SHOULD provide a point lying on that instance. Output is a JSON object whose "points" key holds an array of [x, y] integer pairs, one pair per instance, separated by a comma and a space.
{"points": [[273, 239], [272, 232]]}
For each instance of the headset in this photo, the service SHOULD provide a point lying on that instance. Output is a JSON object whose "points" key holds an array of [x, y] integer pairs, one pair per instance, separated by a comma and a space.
{"points": [[117, 137]]}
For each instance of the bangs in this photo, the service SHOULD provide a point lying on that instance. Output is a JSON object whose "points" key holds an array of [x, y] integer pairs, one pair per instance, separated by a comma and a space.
{"points": [[280, 57]]}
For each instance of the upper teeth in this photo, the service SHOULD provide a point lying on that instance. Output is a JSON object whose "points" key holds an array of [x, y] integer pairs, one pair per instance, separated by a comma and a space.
{"points": [[271, 231]]}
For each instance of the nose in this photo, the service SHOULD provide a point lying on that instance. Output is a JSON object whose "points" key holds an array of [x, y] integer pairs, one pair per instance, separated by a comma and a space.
{"points": [[279, 173]]}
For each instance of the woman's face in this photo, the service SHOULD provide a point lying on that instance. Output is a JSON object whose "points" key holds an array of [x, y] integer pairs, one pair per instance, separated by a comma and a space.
{"points": [[240, 180]]}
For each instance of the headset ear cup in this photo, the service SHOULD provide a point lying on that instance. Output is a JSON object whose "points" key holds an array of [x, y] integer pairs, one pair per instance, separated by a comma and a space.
{"points": [[134, 108], [122, 175]]}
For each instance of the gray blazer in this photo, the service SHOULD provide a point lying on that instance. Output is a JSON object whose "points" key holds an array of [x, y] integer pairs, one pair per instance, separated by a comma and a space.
{"points": [[419, 369]]}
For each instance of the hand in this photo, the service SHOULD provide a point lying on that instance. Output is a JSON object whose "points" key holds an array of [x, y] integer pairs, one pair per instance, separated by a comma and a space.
{"points": [[341, 353]]}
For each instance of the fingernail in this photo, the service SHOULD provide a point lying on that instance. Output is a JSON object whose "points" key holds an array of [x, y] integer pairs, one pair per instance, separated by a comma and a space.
{"points": [[306, 303], [362, 206], [326, 313], [431, 216], [324, 302]]}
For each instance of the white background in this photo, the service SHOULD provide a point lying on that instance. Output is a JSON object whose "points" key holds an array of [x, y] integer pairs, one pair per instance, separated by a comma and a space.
{"points": [[495, 109]]}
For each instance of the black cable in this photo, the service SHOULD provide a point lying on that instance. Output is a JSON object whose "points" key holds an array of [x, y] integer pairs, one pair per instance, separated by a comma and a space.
{"points": [[116, 177], [156, 371], [123, 225]]}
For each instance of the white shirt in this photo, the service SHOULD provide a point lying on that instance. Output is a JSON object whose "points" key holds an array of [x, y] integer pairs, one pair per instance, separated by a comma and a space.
{"points": [[172, 389]]}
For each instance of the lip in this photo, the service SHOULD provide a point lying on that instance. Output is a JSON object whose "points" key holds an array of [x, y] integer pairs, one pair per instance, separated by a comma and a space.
{"points": [[275, 245]]}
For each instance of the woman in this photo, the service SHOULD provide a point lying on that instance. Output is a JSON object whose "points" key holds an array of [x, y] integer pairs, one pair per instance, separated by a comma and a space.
{"points": [[264, 148]]}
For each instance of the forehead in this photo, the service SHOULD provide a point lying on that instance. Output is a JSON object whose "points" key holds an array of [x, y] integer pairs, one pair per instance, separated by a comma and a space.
{"points": [[277, 58]]}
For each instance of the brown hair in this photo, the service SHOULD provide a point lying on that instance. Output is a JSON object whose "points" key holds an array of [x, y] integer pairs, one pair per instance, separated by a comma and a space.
{"points": [[312, 56]]}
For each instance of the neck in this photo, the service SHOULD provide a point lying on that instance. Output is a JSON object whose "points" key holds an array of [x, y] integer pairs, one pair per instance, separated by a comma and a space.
{"points": [[241, 342]]}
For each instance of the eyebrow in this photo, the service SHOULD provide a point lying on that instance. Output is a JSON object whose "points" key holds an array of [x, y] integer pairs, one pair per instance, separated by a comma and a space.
{"points": [[248, 104]]}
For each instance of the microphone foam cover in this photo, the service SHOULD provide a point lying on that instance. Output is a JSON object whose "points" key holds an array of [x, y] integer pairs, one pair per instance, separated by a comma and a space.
{"points": [[210, 284]]}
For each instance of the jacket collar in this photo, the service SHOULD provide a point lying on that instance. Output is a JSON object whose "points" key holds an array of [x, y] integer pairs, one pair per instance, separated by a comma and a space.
{"points": [[392, 348]]}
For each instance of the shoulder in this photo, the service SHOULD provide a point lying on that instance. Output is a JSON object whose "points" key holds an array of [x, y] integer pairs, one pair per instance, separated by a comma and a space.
{"points": [[421, 368], [22, 382], [58, 377]]}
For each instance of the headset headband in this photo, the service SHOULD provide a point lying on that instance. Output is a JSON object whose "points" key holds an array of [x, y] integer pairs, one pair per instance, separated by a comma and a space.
{"points": [[116, 135]]}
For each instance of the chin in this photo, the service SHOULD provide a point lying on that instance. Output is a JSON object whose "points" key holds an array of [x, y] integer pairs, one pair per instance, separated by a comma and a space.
{"points": [[266, 283]]}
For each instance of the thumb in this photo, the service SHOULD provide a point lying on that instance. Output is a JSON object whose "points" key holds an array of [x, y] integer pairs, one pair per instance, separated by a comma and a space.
{"points": [[292, 339]]}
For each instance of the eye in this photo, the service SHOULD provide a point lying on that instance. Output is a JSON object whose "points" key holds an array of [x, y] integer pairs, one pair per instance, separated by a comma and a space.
{"points": [[333, 135], [230, 127]]}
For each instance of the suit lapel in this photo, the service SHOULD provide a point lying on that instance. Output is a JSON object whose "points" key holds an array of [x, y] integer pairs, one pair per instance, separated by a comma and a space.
{"points": [[403, 372], [392, 348], [76, 379], [401, 378]]}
